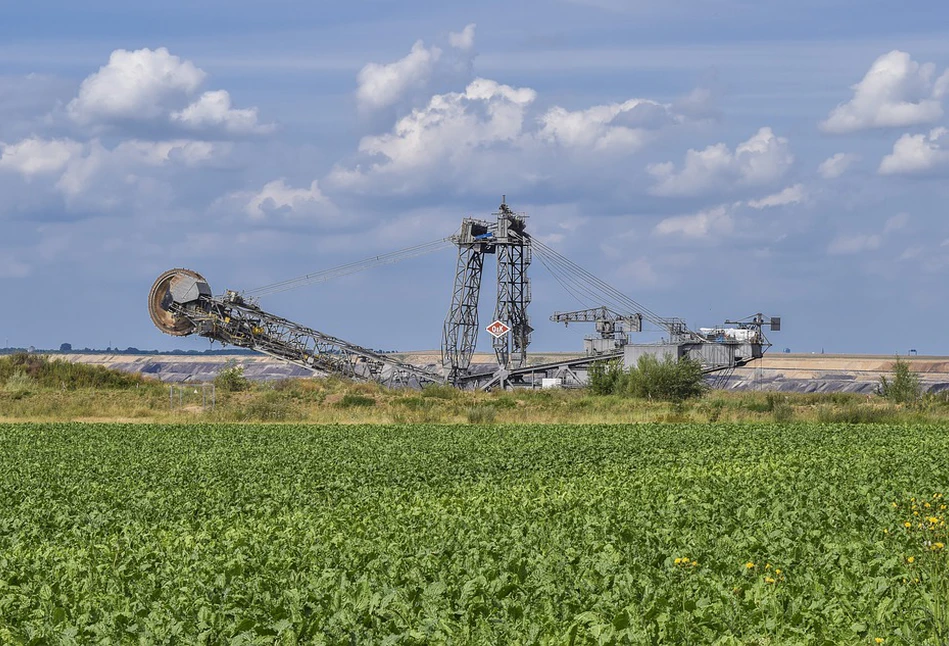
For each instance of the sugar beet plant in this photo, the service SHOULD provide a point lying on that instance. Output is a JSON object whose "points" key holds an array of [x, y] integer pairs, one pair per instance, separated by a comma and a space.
{"points": [[726, 534]]}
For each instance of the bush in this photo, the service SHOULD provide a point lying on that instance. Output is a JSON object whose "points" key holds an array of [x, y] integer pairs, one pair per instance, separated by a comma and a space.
{"points": [[605, 378], [854, 414], [782, 412], [231, 378], [59, 374], [439, 391], [667, 380], [714, 410], [904, 387], [19, 383], [271, 407], [352, 400], [481, 414]]}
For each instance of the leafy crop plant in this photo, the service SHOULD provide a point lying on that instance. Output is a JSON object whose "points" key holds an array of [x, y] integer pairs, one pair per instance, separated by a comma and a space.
{"points": [[472, 534]]}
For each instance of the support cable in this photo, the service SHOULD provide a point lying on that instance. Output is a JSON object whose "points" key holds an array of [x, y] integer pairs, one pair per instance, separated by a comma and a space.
{"points": [[349, 268], [601, 285]]}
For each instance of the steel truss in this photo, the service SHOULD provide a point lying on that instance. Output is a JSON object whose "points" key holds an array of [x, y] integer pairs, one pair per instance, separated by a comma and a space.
{"points": [[233, 321], [460, 332], [508, 240], [514, 294]]}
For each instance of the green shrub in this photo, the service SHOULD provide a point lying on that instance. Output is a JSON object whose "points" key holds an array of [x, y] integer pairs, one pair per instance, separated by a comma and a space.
{"points": [[481, 414], [271, 407], [669, 379], [783, 412], [415, 403], [439, 391], [606, 378], [19, 382], [57, 373], [231, 378], [854, 414], [352, 400], [714, 410], [904, 388]]}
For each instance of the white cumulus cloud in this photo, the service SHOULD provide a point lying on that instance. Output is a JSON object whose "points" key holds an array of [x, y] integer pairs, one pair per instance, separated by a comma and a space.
{"points": [[279, 198], [836, 165], [917, 153], [134, 85], [762, 159], [38, 156], [464, 39], [178, 151], [626, 125], [700, 225], [157, 88], [790, 195], [382, 85], [896, 92], [213, 110], [445, 134]]}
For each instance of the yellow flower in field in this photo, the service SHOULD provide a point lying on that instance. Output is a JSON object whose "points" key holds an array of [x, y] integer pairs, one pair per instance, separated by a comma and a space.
{"points": [[937, 546], [926, 505], [677, 561], [768, 580], [916, 513], [767, 566], [878, 640], [749, 565], [894, 505], [886, 531], [910, 559], [778, 571], [942, 508], [907, 524]]}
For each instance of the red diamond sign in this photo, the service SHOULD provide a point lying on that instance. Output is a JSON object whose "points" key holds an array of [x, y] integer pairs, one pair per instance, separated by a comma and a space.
{"points": [[498, 329]]}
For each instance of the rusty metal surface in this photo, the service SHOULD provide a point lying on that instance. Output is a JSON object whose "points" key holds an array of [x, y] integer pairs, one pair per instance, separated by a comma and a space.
{"points": [[165, 320]]}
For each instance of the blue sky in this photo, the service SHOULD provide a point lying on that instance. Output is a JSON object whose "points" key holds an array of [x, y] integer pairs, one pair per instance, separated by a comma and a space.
{"points": [[711, 160]]}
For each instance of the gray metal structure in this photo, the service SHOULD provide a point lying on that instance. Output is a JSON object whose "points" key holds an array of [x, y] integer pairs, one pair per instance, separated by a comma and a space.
{"points": [[715, 348], [460, 332], [181, 303], [507, 239], [613, 328]]}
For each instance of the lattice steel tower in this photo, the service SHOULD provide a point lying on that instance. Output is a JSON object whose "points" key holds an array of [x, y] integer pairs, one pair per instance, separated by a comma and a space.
{"points": [[508, 239]]}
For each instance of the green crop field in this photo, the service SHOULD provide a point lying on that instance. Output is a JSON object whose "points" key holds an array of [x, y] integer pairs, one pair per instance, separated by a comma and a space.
{"points": [[679, 534]]}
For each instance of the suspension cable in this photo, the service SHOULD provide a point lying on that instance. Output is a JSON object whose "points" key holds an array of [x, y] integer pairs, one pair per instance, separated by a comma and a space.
{"points": [[349, 268], [596, 284], [602, 286]]}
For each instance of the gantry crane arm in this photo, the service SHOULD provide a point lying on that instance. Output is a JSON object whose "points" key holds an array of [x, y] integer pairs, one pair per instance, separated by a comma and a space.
{"points": [[607, 321], [181, 303]]}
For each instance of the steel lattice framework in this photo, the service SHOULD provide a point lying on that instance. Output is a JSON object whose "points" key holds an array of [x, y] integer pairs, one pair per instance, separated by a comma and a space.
{"points": [[514, 294], [181, 303], [460, 332], [507, 239]]}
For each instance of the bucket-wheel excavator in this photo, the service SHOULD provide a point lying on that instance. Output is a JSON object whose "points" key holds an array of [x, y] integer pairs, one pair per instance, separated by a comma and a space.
{"points": [[181, 303]]}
